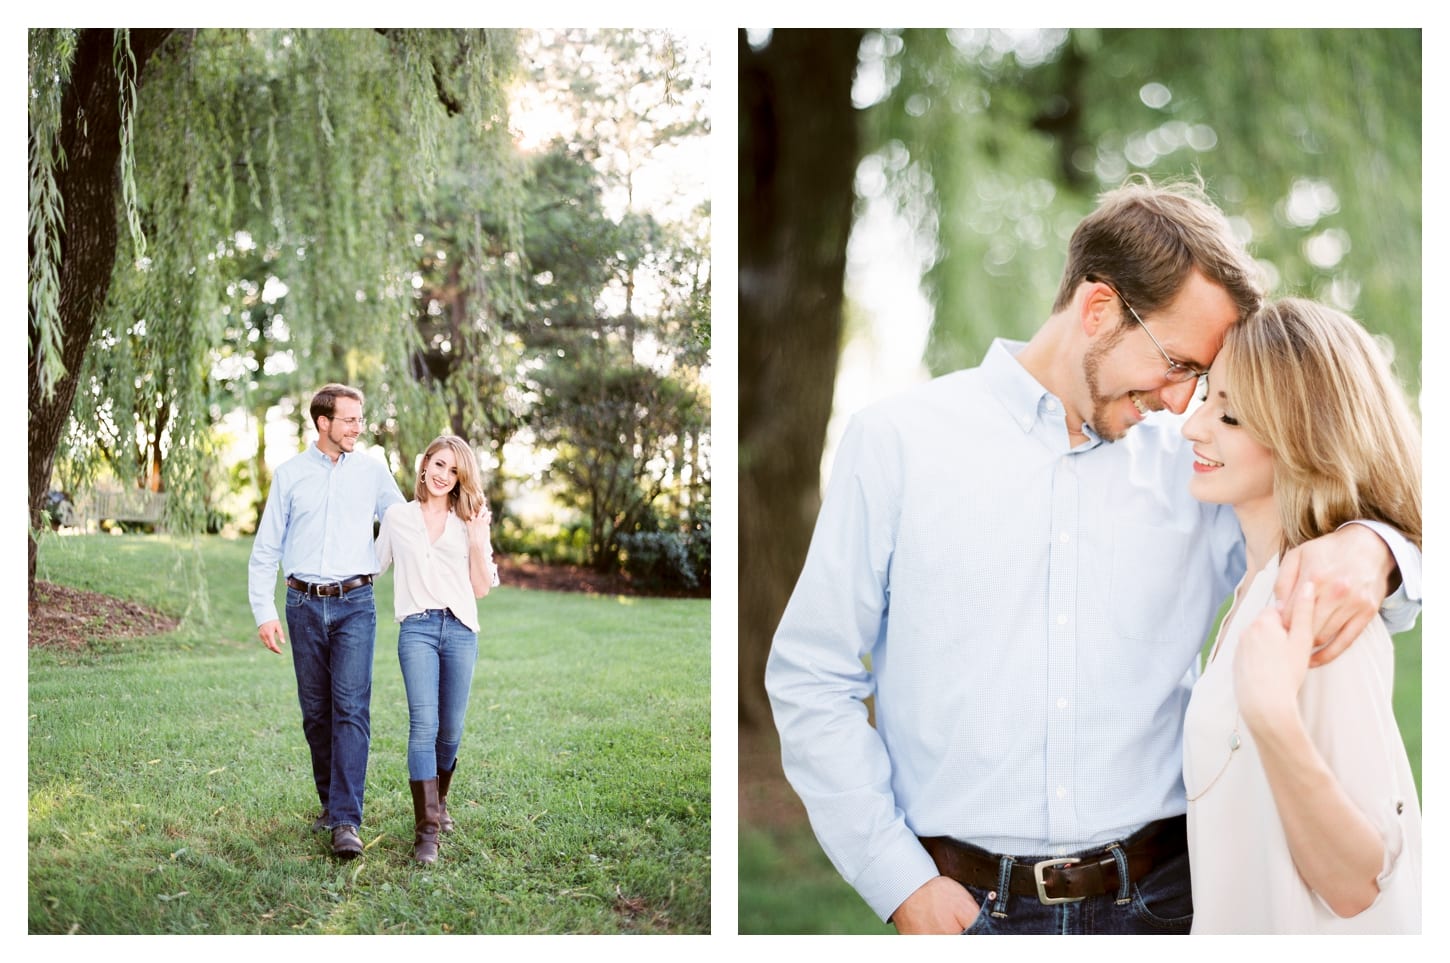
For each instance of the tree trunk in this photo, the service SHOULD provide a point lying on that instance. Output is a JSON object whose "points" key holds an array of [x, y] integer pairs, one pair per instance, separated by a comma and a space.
{"points": [[261, 474], [90, 142], [799, 147], [155, 478]]}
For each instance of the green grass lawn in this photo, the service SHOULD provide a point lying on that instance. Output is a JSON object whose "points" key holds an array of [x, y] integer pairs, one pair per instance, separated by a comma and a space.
{"points": [[786, 884], [170, 787]]}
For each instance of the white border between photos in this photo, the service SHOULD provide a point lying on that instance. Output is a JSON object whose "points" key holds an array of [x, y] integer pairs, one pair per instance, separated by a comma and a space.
{"points": [[721, 25]]}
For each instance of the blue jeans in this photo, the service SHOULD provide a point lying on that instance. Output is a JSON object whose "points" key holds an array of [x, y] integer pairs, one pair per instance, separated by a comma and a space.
{"points": [[332, 654], [436, 653], [1160, 902]]}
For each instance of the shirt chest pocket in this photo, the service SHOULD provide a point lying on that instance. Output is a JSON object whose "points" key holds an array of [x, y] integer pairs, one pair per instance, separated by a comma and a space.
{"points": [[1146, 580]]}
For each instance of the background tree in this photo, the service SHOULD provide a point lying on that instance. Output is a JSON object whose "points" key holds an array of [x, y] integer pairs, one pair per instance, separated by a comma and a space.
{"points": [[622, 433], [798, 153], [316, 205], [251, 367], [83, 93], [613, 426], [311, 142], [992, 145], [617, 296], [469, 286]]}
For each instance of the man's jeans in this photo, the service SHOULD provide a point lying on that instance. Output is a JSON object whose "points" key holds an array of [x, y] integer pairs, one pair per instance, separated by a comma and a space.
{"points": [[436, 653], [1160, 902], [332, 653]]}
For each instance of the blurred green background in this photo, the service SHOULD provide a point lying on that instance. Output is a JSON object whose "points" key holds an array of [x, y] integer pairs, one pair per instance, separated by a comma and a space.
{"points": [[983, 149]]}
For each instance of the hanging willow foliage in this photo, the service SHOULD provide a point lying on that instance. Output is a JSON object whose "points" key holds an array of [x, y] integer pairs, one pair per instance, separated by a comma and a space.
{"points": [[319, 148], [995, 144], [50, 53], [472, 211], [126, 70]]}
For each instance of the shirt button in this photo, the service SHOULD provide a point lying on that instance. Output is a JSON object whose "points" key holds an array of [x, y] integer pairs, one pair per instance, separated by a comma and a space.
{"points": [[1064, 538], [1062, 620], [1062, 703], [1061, 792], [1051, 404]]}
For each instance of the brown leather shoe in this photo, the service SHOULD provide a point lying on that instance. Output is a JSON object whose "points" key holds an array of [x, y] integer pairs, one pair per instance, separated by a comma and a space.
{"points": [[345, 842]]}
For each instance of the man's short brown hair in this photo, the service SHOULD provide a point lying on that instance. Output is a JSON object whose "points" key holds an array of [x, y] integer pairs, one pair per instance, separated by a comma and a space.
{"points": [[1144, 239], [324, 400]]}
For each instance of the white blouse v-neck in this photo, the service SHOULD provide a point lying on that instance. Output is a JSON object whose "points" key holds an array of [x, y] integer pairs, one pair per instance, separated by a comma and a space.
{"points": [[429, 575]]}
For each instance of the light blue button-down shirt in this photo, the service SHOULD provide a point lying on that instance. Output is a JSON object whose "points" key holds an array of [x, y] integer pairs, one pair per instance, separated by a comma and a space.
{"points": [[318, 523], [1027, 616]]}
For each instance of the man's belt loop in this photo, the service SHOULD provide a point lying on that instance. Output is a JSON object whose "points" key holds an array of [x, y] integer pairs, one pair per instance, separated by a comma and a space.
{"points": [[1004, 886], [1125, 880]]}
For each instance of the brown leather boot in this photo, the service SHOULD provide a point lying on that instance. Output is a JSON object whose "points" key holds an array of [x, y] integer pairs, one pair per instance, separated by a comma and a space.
{"points": [[445, 821], [425, 819]]}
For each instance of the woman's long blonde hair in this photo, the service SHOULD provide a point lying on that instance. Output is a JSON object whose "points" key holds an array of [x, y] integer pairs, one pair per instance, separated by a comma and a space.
{"points": [[1314, 387], [466, 498]]}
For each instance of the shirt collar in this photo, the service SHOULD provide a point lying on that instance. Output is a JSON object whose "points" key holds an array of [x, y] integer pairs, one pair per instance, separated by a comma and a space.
{"points": [[320, 456], [1026, 400], [1020, 393]]}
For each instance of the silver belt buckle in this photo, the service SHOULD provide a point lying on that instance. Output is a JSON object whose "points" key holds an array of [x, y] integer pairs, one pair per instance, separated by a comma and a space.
{"points": [[1042, 896]]}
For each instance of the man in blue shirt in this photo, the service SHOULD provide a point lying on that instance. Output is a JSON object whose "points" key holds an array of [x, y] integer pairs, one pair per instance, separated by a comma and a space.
{"points": [[1008, 562], [318, 524]]}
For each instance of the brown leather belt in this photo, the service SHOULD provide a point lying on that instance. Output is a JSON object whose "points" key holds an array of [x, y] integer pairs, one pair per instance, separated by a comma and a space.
{"points": [[1064, 880], [328, 588]]}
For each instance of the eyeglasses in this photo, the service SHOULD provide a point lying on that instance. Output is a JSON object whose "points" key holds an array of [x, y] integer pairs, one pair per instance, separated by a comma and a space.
{"points": [[357, 422], [1177, 372]]}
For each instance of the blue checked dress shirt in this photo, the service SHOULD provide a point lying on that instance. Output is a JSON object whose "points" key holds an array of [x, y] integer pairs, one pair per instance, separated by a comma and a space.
{"points": [[1027, 616], [318, 523]]}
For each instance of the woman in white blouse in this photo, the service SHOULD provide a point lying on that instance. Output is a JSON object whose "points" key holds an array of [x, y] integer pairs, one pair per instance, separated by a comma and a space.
{"points": [[1302, 811], [439, 543]]}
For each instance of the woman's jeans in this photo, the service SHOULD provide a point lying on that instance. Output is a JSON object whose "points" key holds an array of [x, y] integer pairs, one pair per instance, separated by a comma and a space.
{"points": [[436, 653]]}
